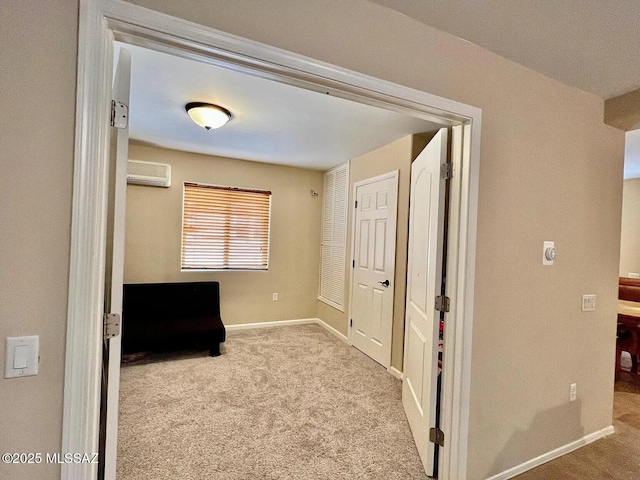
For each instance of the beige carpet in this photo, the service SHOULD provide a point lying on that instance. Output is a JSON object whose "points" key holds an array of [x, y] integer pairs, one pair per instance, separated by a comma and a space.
{"points": [[280, 403]]}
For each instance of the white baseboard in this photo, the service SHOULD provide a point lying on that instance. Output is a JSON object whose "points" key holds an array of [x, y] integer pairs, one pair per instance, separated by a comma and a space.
{"points": [[395, 372], [280, 323], [553, 454], [332, 330], [288, 323]]}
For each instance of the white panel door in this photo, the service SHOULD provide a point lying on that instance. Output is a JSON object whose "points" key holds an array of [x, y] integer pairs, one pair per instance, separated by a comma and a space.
{"points": [[424, 279], [119, 152], [374, 268]]}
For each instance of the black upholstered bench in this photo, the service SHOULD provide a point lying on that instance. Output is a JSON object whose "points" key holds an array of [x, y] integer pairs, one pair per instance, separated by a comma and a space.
{"points": [[172, 316]]}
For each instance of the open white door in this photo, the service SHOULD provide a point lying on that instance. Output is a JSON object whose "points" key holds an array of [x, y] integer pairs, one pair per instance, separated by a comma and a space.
{"points": [[374, 255], [424, 280], [119, 152]]}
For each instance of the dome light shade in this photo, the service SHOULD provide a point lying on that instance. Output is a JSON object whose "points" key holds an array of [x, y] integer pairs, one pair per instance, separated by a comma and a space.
{"points": [[208, 116]]}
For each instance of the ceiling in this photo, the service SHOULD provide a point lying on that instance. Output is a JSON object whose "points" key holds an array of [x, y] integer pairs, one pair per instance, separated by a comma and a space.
{"points": [[593, 45], [272, 122], [590, 44]]}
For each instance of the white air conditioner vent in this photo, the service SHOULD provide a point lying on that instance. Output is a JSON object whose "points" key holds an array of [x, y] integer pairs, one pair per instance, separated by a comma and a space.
{"points": [[148, 173]]}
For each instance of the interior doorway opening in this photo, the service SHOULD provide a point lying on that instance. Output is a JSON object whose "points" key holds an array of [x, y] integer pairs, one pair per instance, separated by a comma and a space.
{"points": [[127, 23], [160, 213], [628, 329]]}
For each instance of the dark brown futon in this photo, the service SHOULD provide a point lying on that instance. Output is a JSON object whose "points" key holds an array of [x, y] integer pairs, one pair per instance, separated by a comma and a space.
{"points": [[172, 316]]}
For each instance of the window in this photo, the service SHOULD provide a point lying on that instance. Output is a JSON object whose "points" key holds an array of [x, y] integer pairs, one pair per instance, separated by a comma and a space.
{"points": [[225, 228], [334, 236]]}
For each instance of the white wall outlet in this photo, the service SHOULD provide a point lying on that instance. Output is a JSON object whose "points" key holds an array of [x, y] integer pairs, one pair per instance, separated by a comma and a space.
{"points": [[573, 392], [633, 275], [588, 303], [548, 253], [275, 297], [21, 356]]}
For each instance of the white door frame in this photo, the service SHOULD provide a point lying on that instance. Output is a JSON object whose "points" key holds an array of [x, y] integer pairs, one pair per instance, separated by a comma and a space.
{"points": [[102, 21], [396, 175]]}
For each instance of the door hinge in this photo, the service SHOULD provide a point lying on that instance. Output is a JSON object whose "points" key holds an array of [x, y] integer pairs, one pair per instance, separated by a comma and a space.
{"points": [[442, 303], [111, 322], [446, 171], [119, 114], [436, 436], [353, 264], [356, 203], [351, 322]]}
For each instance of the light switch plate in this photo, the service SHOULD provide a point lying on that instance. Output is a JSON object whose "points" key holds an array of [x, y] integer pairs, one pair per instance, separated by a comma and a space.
{"points": [[21, 351], [588, 303]]}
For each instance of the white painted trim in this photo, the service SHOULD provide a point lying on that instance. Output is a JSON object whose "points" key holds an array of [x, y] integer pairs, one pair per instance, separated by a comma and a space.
{"points": [[377, 178], [393, 174], [288, 323], [553, 454], [332, 330], [158, 31], [332, 304], [396, 373], [81, 405], [102, 20], [119, 138], [458, 330], [278, 323]]}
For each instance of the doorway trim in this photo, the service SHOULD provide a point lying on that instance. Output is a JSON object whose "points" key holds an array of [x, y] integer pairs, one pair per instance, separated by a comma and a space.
{"points": [[101, 22]]}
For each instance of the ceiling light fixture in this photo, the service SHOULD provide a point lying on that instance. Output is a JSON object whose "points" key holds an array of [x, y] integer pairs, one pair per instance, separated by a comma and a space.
{"points": [[208, 116]]}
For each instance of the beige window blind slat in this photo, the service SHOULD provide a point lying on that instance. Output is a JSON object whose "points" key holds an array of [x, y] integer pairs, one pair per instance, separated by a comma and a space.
{"points": [[225, 228]]}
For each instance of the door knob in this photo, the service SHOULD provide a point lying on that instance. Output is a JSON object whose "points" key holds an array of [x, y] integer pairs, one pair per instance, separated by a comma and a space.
{"points": [[385, 283]]}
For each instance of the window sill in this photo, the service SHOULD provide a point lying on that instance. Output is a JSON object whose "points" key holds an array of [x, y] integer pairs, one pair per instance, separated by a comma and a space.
{"points": [[220, 270], [335, 305]]}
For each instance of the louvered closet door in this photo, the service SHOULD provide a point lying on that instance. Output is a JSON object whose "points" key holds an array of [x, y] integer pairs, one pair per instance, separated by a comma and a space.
{"points": [[334, 231]]}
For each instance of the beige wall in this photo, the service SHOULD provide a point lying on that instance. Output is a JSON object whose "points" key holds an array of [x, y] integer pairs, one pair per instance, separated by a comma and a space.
{"points": [[154, 229], [623, 111], [397, 155], [38, 64], [394, 156], [630, 238], [549, 170]]}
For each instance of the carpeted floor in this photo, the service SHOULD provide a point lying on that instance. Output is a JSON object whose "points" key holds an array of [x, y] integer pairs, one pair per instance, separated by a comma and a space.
{"points": [[280, 403]]}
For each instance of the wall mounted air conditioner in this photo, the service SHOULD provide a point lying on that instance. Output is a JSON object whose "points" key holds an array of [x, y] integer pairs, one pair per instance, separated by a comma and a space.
{"points": [[148, 173]]}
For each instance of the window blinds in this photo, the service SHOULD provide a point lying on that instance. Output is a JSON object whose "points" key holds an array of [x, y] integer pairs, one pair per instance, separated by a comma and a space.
{"points": [[334, 233], [225, 228]]}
